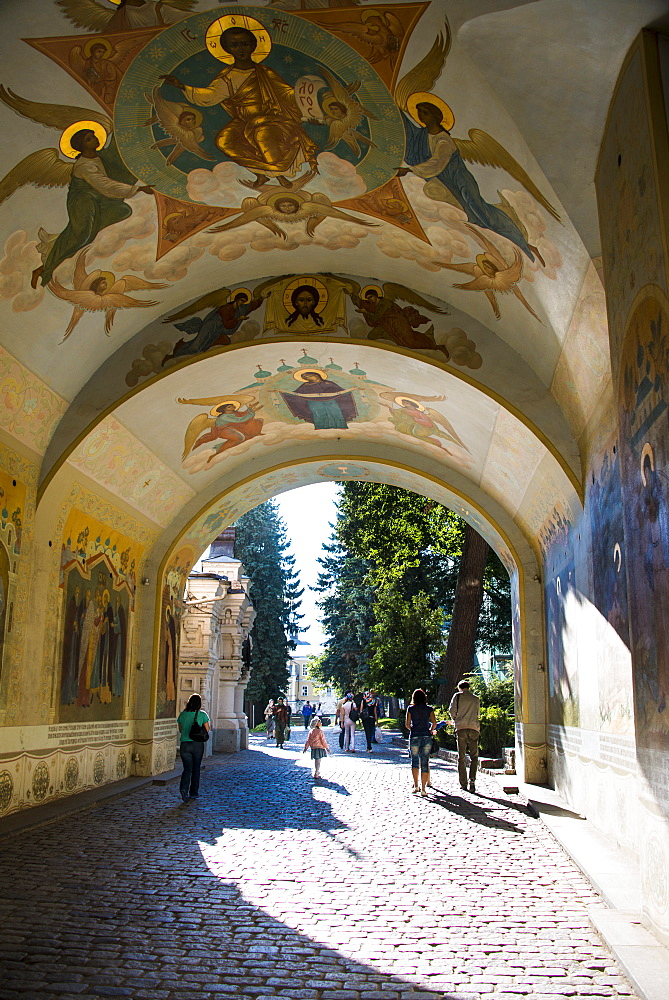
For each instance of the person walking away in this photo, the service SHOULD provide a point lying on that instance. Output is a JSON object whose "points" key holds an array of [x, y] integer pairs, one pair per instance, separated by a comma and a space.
{"points": [[421, 723], [269, 718], [289, 710], [379, 710], [350, 716], [307, 712], [318, 745], [191, 750], [280, 722], [464, 710], [369, 717]]}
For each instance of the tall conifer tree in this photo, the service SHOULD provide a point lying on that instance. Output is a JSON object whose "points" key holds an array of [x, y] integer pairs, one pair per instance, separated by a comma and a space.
{"points": [[262, 547]]}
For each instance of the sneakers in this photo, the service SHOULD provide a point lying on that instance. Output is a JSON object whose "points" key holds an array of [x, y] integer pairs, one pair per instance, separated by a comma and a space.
{"points": [[472, 786], [463, 787]]}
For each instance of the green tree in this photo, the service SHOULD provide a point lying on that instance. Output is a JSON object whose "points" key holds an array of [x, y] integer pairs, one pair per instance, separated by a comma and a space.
{"points": [[347, 617], [261, 545], [407, 553]]}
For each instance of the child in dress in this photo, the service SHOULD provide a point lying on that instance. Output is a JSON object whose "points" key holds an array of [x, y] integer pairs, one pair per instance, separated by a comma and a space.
{"points": [[318, 744]]}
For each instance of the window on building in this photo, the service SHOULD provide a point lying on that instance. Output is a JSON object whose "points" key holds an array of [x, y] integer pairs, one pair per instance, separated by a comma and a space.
{"points": [[305, 671], [305, 690]]}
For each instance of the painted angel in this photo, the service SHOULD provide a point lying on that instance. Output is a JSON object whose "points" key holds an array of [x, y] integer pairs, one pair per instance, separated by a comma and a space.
{"points": [[101, 291], [223, 318], [182, 123], [98, 63], [99, 183], [439, 158], [231, 420], [410, 416], [287, 206], [379, 30], [342, 113], [124, 15], [491, 273], [390, 321]]}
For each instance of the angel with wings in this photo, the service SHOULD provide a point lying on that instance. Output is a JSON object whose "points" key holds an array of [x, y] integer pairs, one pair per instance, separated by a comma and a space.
{"points": [[226, 313], [182, 123], [100, 291], [379, 30], [124, 15], [287, 206], [231, 419], [342, 113], [99, 183], [491, 273], [390, 321], [410, 416], [98, 63], [439, 158]]}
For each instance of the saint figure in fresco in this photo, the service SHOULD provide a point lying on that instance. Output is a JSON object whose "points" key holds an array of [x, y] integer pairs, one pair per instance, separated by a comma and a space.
{"points": [[321, 402], [264, 134], [390, 321], [436, 157], [215, 330], [232, 424]]}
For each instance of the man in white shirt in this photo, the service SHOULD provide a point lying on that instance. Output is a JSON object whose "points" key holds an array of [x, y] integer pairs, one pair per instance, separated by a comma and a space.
{"points": [[464, 710]]}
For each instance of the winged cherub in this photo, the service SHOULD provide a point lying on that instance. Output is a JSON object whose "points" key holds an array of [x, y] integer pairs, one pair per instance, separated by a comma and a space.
{"points": [[491, 273], [182, 123], [100, 291], [437, 157], [288, 207], [124, 15], [99, 181], [231, 419], [342, 113], [390, 321], [99, 64]]}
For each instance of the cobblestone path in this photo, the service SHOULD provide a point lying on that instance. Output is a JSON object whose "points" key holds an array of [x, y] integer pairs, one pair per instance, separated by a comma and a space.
{"points": [[273, 885]]}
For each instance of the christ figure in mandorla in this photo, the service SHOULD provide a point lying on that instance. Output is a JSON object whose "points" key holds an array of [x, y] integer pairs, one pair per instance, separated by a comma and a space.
{"points": [[264, 134]]}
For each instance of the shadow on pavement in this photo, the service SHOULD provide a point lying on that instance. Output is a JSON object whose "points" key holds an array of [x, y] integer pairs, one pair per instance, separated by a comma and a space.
{"points": [[469, 810]]}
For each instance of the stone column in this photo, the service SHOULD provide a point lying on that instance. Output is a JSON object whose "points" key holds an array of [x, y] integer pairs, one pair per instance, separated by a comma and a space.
{"points": [[227, 736]]}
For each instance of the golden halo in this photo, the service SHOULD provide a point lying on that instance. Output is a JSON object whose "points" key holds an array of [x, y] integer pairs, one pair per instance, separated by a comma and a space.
{"points": [[108, 47], [224, 402], [301, 372], [108, 276], [65, 144], [421, 97], [402, 399], [305, 280], [647, 450], [370, 12], [371, 288], [216, 29], [285, 196], [482, 258], [240, 291], [105, 597], [196, 113]]}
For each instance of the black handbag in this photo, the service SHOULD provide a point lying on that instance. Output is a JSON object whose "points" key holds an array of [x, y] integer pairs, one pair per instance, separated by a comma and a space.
{"points": [[354, 715], [198, 734]]}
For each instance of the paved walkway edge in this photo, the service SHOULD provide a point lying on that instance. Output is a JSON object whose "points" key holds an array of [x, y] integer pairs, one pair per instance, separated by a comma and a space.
{"points": [[68, 805], [615, 874]]}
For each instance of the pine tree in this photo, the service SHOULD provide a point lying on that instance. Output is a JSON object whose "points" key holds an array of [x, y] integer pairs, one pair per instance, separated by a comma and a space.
{"points": [[262, 547]]}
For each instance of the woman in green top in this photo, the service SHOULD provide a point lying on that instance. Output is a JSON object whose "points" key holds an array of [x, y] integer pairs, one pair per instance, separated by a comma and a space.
{"points": [[191, 751]]}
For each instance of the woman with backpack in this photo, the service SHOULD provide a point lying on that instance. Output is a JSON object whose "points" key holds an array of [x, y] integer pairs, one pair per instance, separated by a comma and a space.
{"points": [[369, 718], [350, 715], [194, 729]]}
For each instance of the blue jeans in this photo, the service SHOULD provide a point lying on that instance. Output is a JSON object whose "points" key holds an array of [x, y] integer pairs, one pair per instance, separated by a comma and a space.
{"points": [[419, 748], [191, 757]]}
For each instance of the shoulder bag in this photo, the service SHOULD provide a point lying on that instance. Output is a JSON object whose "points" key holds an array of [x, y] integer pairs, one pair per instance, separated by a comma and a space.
{"points": [[198, 734]]}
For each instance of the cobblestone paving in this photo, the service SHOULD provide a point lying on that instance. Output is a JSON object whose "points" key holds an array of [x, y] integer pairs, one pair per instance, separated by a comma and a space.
{"points": [[273, 885]]}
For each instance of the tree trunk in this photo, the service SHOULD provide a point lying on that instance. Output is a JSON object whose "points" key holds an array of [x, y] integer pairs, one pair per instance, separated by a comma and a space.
{"points": [[459, 655]]}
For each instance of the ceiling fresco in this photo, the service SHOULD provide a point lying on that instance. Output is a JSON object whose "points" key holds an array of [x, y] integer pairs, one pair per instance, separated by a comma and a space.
{"points": [[236, 235]]}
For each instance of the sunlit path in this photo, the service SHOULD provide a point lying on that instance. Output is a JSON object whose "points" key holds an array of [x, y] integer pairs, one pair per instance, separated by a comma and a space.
{"points": [[275, 885]]}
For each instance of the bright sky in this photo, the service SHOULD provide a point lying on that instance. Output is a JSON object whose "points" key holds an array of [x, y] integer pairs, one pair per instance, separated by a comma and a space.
{"points": [[308, 513]]}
